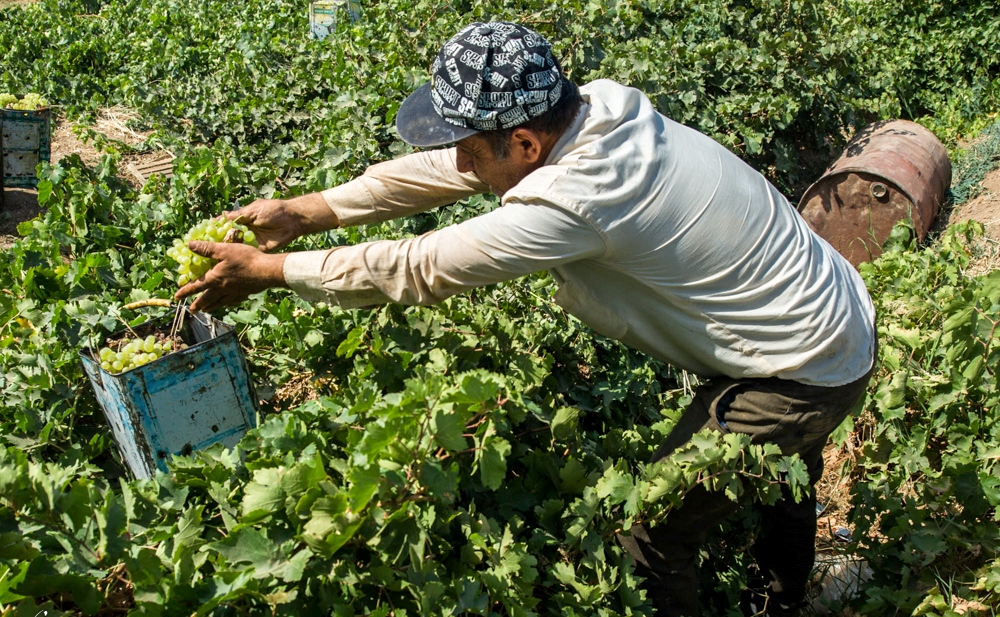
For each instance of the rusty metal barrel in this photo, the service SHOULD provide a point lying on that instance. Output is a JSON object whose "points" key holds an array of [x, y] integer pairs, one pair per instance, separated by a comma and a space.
{"points": [[889, 171]]}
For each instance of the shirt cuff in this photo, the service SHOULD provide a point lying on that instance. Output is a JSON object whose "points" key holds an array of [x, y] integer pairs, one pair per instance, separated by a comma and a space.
{"points": [[303, 272], [352, 202]]}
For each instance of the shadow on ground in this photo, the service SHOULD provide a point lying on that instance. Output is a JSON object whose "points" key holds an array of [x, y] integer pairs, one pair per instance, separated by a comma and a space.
{"points": [[19, 205]]}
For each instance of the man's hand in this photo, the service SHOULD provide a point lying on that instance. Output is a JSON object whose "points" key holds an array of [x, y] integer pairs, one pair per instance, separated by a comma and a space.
{"points": [[276, 222], [242, 270]]}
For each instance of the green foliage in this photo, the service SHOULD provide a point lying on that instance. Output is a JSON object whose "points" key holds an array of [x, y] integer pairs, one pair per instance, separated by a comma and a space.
{"points": [[972, 167], [927, 481], [480, 456], [455, 490], [771, 80], [935, 61]]}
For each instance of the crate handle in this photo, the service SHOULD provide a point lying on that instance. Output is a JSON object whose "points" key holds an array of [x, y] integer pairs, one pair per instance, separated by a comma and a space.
{"points": [[150, 302], [179, 311]]}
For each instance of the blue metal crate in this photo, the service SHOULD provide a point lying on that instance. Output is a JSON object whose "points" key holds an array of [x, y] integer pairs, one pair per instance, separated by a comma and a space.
{"points": [[185, 401], [324, 16], [25, 141]]}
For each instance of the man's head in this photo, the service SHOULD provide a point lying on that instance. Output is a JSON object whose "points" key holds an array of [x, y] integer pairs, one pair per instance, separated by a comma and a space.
{"points": [[492, 83]]}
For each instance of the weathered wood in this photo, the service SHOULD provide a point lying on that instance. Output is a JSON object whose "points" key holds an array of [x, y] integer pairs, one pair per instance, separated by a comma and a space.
{"points": [[162, 166]]}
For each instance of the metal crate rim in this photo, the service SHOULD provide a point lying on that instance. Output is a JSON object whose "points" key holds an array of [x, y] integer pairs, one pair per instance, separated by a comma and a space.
{"points": [[91, 354]]}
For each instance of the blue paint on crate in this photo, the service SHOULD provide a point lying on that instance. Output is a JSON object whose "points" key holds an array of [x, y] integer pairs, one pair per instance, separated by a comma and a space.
{"points": [[185, 401], [236, 432], [25, 141], [325, 14]]}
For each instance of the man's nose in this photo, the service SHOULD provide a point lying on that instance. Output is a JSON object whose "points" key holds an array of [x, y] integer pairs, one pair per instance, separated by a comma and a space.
{"points": [[463, 162]]}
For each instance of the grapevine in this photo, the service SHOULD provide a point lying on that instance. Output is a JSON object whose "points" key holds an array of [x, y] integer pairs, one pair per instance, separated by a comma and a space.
{"points": [[473, 457], [190, 265]]}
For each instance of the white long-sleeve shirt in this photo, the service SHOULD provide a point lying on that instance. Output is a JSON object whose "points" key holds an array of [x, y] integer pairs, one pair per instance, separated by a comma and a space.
{"points": [[656, 234]]}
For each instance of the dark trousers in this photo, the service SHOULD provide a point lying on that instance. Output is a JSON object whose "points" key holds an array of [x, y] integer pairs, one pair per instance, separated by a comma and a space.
{"points": [[799, 419]]}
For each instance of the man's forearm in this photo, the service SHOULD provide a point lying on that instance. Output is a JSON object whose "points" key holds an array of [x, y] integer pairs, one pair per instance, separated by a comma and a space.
{"points": [[401, 187], [316, 215]]}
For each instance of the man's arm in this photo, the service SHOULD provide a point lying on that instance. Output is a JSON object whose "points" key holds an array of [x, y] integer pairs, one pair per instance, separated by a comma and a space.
{"points": [[506, 243], [401, 187], [276, 222]]}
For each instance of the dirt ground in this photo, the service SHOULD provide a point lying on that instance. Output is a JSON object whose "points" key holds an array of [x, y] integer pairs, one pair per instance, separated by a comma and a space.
{"points": [[22, 204], [985, 208]]}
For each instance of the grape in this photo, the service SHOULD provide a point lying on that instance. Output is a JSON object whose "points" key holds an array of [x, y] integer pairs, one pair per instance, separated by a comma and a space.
{"points": [[191, 266], [135, 352], [30, 102]]}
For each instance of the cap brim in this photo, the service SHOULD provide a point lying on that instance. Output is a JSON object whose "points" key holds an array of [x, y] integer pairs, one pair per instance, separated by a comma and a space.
{"points": [[420, 125]]}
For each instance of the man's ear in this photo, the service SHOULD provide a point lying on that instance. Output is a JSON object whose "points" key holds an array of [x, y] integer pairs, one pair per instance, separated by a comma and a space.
{"points": [[527, 145]]}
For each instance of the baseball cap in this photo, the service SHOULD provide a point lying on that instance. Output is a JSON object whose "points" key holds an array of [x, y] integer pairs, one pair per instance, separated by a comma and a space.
{"points": [[489, 76]]}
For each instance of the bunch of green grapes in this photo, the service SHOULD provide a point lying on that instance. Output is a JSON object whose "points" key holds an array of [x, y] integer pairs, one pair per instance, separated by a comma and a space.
{"points": [[30, 102], [192, 266], [134, 353]]}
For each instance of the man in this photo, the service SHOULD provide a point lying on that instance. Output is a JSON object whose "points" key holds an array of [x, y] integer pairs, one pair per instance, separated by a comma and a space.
{"points": [[657, 236]]}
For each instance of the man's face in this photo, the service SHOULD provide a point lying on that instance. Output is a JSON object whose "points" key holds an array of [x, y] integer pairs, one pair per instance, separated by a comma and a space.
{"points": [[476, 155]]}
